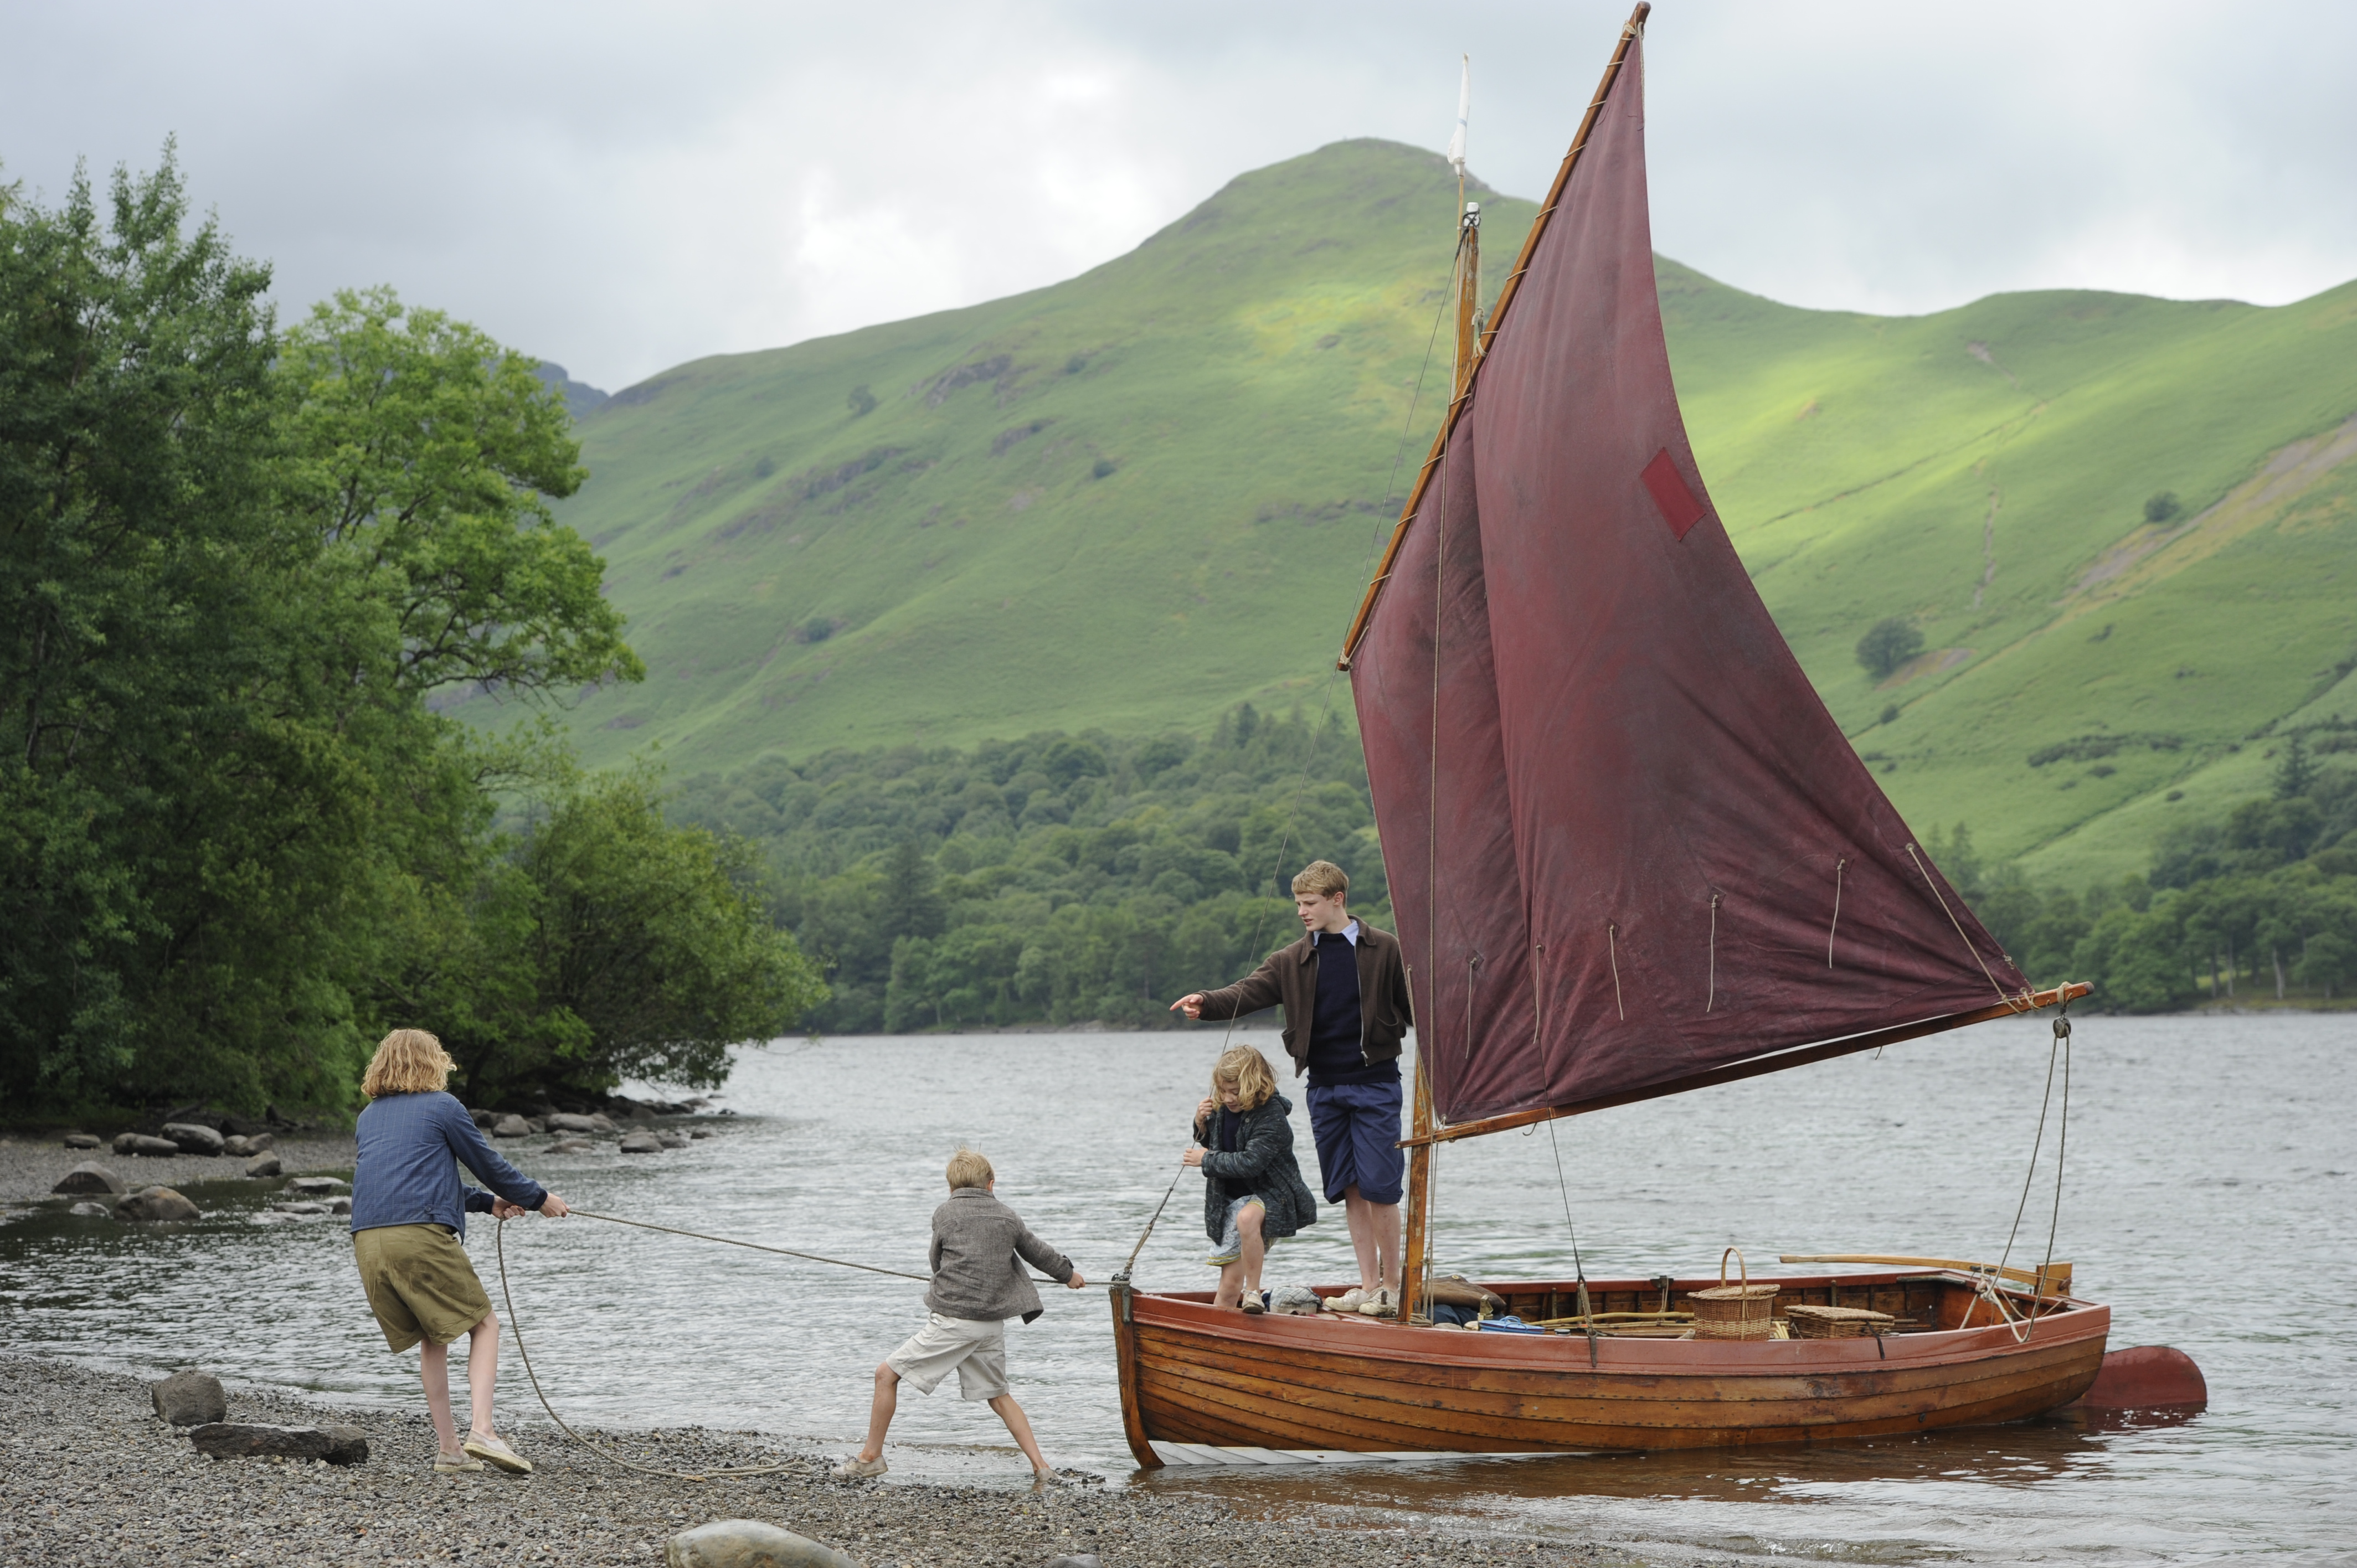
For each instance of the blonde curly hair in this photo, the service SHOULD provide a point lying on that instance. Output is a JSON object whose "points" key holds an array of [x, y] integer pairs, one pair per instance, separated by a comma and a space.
{"points": [[407, 1061], [1247, 1072]]}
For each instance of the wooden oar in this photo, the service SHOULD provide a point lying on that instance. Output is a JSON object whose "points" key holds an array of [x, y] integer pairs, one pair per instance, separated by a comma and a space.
{"points": [[2056, 1276]]}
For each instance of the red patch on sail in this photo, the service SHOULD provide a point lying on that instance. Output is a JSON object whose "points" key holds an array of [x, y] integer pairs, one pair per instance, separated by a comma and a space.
{"points": [[1679, 508]]}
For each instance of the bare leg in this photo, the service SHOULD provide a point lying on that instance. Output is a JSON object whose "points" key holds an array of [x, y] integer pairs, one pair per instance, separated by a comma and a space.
{"points": [[888, 1400], [434, 1371], [1384, 1220], [483, 1370], [1255, 1249], [1360, 1215], [1231, 1293], [1020, 1425]]}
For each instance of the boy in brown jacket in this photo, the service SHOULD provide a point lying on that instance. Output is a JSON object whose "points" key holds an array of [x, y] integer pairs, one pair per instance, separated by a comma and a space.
{"points": [[980, 1246], [1344, 988]]}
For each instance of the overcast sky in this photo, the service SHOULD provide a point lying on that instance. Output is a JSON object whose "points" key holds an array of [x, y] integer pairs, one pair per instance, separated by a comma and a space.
{"points": [[620, 188]]}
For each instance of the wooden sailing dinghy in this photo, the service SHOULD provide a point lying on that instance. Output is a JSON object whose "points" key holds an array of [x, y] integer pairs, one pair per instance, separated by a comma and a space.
{"points": [[1631, 855]]}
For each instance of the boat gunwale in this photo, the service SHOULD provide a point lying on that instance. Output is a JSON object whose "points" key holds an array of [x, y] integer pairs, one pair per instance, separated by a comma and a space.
{"points": [[1190, 1311]]}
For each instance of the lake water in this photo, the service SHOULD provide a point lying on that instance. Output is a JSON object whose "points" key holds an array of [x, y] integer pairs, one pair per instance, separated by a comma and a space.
{"points": [[2211, 1198]]}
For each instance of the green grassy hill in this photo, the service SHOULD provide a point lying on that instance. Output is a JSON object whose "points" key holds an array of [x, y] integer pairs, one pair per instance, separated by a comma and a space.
{"points": [[1132, 499]]}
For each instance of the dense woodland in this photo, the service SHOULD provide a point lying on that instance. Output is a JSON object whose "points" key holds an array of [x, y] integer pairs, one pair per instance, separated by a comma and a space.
{"points": [[1055, 879], [239, 564], [1061, 879]]}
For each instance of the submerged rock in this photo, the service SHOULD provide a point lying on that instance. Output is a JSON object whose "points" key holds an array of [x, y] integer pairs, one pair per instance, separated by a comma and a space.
{"points": [[141, 1144], [89, 1210], [601, 1122], [749, 1543], [338, 1444], [194, 1137], [262, 1165], [571, 1146], [672, 1141], [339, 1205], [317, 1186], [189, 1399], [641, 1143], [91, 1177], [155, 1202]]}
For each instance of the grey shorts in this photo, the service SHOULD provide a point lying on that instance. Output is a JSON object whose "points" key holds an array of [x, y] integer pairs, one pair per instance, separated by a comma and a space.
{"points": [[977, 1350]]}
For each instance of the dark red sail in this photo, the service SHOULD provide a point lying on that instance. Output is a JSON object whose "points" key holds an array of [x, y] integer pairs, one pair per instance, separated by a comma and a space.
{"points": [[1634, 847]]}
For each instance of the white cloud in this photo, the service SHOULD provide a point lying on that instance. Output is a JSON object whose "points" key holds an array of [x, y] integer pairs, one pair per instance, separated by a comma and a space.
{"points": [[622, 188]]}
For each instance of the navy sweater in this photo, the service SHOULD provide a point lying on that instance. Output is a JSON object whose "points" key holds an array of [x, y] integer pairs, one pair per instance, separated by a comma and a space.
{"points": [[1337, 1042]]}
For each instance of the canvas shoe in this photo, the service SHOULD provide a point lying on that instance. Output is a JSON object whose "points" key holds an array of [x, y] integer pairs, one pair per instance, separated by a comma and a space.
{"points": [[857, 1469], [455, 1464], [1379, 1303], [1349, 1301], [491, 1451], [1255, 1302]]}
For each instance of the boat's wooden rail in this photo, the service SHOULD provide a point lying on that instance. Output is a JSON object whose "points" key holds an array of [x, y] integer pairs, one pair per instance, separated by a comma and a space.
{"points": [[1195, 1374]]}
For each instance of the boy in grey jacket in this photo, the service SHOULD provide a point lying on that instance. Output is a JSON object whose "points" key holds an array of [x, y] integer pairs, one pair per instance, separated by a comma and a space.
{"points": [[980, 1246]]}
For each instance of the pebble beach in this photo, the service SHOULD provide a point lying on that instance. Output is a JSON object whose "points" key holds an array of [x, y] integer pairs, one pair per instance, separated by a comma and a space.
{"points": [[93, 1478]]}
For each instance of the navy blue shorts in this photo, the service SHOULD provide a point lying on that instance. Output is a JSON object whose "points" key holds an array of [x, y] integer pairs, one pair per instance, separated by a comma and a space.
{"points": [[1357, 1126]]}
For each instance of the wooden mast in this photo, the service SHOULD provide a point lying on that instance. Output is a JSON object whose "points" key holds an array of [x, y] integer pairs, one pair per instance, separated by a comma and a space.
{"points": [[1418, 1195]]}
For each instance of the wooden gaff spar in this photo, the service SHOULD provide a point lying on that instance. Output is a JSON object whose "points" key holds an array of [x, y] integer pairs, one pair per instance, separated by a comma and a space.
{"points": [[1631, 855]]}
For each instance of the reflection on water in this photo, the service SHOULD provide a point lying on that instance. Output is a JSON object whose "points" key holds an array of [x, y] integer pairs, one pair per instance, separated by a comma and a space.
{"points": [[2209, 1202]]}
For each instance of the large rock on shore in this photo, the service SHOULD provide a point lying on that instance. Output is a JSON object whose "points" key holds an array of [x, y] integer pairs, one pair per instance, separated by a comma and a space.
{"points": [[566, 1122], [189, 1399], [749, 1543], [81, 1140], [262, 1165], [155, 1202], [141, 1144], [641, 1143], [91, 1177], [510, 1126], [194, 1137], [338, 1444]]}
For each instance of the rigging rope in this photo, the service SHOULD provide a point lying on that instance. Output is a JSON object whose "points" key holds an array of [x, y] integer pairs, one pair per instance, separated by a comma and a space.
{"points": [[1579, 1268]]}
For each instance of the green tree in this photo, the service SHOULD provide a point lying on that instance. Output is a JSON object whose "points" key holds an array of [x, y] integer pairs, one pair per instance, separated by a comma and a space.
{"points": [[1889, 644], [138, 570], [604, 944], [422, 456]]}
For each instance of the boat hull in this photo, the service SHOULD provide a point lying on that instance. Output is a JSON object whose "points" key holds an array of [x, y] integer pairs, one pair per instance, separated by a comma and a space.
{"points": [[1194, 1374]]}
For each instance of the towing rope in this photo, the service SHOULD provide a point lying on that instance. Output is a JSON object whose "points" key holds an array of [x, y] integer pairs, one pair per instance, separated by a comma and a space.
{"points": [[500, 1245]]}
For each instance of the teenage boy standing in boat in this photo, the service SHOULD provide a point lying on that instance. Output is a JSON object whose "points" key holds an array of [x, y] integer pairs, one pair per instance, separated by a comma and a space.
{"points": [[1346, 1011]]}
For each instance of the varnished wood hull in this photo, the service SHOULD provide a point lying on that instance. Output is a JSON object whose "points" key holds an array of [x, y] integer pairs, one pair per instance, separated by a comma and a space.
{"points": [[1194, 1374]]}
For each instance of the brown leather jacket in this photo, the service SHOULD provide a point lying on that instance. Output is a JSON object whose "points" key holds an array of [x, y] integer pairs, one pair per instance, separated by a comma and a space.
{"points": [[1289, 975]]}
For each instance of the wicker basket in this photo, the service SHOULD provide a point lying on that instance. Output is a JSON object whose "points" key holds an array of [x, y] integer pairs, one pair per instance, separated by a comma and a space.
{"points": [[1838, 1322], [1740, 1311]]}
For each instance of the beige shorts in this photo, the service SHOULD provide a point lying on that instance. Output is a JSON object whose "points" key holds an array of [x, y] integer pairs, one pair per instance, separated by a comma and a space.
{"points": [[978, 1352], [420, 1283]]}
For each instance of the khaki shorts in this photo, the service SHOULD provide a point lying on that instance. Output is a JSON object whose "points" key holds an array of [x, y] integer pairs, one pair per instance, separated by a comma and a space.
{"points": [[977, 1350], [419, 1282]]}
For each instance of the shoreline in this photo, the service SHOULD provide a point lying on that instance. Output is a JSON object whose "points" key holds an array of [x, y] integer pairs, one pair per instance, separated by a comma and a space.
{"points": [[96, 1478]]}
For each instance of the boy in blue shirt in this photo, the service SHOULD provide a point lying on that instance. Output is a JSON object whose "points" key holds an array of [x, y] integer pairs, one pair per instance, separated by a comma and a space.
{"points": [[409, 1214]]}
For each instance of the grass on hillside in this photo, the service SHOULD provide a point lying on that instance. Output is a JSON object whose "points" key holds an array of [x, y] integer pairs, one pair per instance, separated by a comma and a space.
{"points": [[1131, 500]]}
